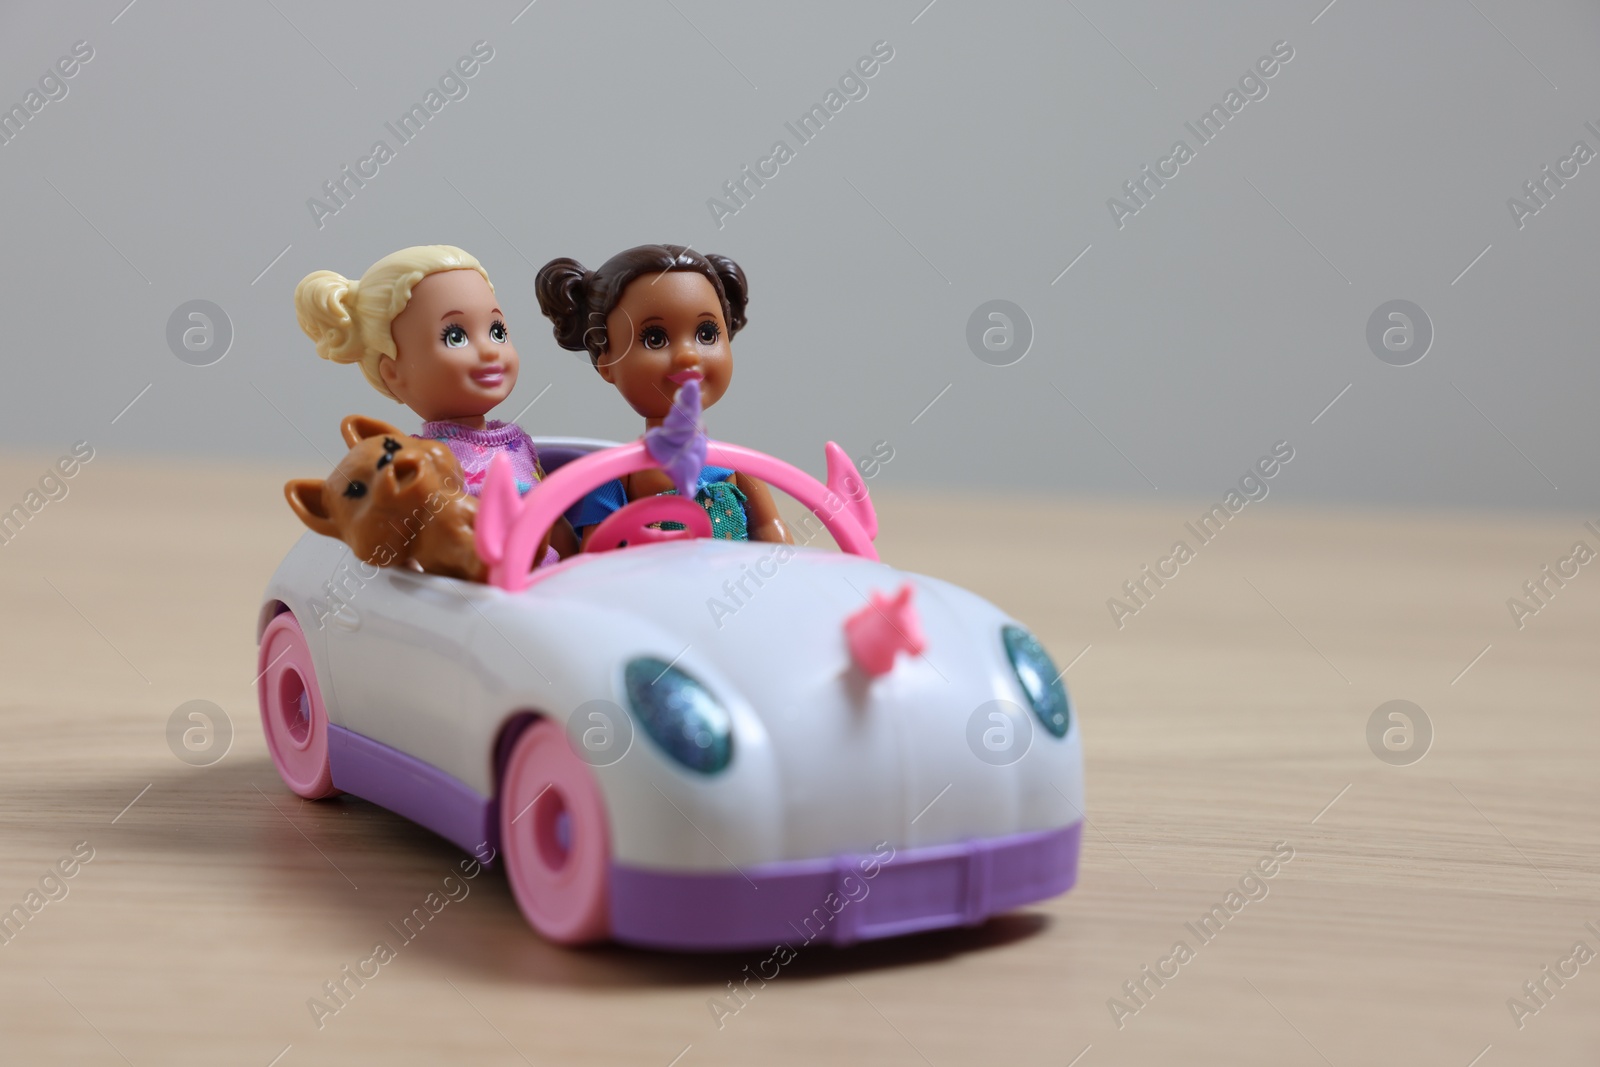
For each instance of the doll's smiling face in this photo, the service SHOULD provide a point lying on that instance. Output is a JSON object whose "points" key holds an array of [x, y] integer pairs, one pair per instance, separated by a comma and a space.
{"points": [[454, 357], [666, 328]]}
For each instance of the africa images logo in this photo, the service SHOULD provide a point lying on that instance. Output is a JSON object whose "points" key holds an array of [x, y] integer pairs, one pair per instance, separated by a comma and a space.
{"points": [[453, 86], [1252, 86], [1252, 486], [852, 86]]}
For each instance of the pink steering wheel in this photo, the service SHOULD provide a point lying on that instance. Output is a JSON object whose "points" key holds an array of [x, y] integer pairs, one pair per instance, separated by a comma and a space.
{"points": [[507, 543], [631, 525]]}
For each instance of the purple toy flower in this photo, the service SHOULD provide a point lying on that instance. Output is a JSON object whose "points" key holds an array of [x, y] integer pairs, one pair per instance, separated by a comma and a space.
{"points": [[679, 443]]}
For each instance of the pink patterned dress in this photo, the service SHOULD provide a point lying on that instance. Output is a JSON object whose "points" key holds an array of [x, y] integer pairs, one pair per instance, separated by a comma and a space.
{"points": [[474, 449]]}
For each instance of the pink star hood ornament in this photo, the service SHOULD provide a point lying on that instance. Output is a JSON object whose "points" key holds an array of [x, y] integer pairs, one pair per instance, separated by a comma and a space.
{"points": [[886, 626]]}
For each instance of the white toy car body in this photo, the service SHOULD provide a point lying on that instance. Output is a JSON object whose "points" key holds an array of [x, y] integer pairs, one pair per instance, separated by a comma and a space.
{"points": [[796, 794]]}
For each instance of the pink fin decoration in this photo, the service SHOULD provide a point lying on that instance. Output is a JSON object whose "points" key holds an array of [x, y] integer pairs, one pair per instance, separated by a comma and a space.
{"points": [[847, 484], [499, 507], [886, 626]]}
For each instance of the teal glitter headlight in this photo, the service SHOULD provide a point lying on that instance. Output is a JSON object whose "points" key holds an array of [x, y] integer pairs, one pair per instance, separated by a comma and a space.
{"points": [[1040, 679], [680, 715]]}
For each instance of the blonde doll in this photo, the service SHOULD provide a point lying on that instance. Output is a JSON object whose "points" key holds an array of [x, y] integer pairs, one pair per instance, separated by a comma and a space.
{"points": [[426, 328]]}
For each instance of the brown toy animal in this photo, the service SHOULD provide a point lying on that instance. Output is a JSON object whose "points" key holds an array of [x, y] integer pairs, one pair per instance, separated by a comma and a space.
{"points": [[394, 499]]}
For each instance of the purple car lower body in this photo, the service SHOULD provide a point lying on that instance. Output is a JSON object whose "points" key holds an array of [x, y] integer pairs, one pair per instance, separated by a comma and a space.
{"points": [[838, 900]]}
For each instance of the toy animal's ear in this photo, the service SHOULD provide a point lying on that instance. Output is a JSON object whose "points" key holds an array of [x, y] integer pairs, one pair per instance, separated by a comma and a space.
{"points": [[307, 497], [357, 428]]}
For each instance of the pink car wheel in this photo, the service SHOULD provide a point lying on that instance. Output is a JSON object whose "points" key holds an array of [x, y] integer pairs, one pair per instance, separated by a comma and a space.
{"points": [[554, 838], [292, 714]]}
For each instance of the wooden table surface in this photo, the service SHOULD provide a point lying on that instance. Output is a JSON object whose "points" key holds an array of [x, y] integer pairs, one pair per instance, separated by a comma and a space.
{"points": [[1228, 715]]}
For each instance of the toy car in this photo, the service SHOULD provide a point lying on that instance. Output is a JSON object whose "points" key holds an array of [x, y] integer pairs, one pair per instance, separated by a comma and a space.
{"points": [[686, 743]]}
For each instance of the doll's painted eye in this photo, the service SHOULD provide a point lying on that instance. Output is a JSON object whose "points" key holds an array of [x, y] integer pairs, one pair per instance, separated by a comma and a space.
{"points": [[653, 337], [356, 490], [497, 332], [708, 333], [454, 336]]}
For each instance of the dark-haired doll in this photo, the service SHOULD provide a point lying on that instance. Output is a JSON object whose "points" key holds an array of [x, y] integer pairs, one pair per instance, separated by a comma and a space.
{"points": [[652, 318]]}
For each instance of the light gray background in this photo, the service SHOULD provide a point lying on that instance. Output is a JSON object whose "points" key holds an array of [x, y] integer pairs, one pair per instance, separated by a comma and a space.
{"points": [[1224, 317]]}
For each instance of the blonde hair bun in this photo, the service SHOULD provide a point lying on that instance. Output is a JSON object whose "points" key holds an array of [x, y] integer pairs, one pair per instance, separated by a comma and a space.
{"points": [[322, 305]]}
